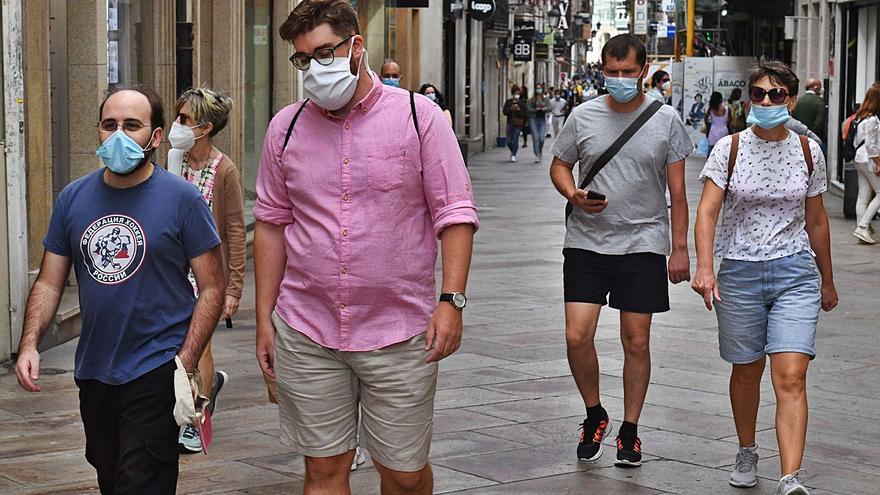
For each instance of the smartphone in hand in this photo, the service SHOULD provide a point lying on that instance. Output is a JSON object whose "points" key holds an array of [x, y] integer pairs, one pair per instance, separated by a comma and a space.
{"points": [[595, 195]]}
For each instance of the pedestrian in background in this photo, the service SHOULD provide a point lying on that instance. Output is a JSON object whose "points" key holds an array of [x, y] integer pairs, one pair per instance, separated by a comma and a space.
{"points": [[810, 109], [867, 144], [768, 291], [526, 130], [716, 119], [558, 109], [131, 231], [516, 110], [736, 112], [345, 289], [618, 245], [538, 107], [200, 114], [660, 85], [432, 93], [390, 72]]}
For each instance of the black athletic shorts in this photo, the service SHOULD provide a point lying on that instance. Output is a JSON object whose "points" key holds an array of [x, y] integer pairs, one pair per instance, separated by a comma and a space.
{"points": [[637, 282]]}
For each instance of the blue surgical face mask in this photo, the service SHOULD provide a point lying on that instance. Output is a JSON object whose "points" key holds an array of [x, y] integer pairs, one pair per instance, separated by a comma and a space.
{"points": [[622, 89], [121, 154], [768, 117], [391, 81]]}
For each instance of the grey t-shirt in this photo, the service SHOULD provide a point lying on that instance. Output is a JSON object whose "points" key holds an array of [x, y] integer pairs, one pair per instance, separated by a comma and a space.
{"points": [[634, 181]]}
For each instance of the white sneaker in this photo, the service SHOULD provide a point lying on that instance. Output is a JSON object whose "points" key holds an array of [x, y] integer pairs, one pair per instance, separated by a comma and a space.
{"points": [[537, 158], [359, 459], [790, 485], [864, 235], [512, 158], [745, 472]]}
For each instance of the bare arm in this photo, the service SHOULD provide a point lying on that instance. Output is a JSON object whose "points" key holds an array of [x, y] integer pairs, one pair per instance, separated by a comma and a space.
{"points": [[208, 270], [820, 241], [704, 236], [563, 180], [42, 304], [444, 330], [679, 261], [270, 260]]}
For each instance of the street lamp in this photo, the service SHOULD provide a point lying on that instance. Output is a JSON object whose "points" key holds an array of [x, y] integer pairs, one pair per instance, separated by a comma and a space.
{"points": [[554, 14]]}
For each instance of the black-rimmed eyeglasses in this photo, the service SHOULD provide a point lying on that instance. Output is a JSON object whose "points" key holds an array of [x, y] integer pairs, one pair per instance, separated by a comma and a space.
{"points": [[324, 56]]}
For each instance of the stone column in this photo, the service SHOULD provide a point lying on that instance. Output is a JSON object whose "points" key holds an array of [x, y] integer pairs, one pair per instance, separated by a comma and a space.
{"points": [[39, 126], [285, 78], [228, 46], [87, 76]]}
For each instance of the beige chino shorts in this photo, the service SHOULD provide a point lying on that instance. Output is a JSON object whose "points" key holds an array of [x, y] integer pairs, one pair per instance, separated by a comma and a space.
{"points": [[319, 390]]}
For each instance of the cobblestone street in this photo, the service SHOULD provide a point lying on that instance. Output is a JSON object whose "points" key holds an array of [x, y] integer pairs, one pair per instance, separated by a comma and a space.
{"points": [[507, 410]]}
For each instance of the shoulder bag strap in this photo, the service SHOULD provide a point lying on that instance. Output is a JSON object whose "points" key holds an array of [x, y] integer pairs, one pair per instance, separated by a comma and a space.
{"points": [[612, 150], [731, 160], [293, 123], [412, 107], [808, 157]]}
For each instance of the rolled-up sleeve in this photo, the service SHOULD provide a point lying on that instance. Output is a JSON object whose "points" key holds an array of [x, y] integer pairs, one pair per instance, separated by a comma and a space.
{"points": [[446, 182], [273, 201]]}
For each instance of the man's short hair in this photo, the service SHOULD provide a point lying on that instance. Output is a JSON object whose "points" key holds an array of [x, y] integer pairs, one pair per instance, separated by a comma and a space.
{"points": [[309, 14], [778, 71], [619, 47], [157, 111]]}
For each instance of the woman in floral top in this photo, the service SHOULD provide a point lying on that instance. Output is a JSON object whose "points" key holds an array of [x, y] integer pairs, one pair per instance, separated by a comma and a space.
{"points": [[774, 243], [200, 114]]}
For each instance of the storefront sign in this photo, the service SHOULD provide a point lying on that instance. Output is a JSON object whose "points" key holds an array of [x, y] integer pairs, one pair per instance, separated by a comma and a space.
{"points": [[412, 4], [522, 50], [559, 48], [542, 50], [640, 25], [481, 10], [523, 39]]}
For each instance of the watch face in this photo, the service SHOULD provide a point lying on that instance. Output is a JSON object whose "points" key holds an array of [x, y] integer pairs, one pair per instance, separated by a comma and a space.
{"points": [[459, 300]]}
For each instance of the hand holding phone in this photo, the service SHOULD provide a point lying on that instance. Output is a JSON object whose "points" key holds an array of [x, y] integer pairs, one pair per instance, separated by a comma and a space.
{"points": [[595, 195]]}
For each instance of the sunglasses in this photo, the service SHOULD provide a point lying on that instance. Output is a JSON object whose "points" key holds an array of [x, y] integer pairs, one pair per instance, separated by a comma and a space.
{"points": [[777, 95]]}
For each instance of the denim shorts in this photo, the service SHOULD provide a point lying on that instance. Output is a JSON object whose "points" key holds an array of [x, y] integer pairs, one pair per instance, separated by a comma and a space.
{"points": [[767, 307]]}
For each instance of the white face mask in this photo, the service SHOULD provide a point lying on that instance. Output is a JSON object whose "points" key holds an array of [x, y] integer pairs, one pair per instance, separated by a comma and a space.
{"points": [[431, 96], [182, 137], [332, 86], [665, 86]]}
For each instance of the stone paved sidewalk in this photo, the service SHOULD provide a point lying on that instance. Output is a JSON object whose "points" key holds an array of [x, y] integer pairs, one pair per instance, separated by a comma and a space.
{"points": [[507, 409]]}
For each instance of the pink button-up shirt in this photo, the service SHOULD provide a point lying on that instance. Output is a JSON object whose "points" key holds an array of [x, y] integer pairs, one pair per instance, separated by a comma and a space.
{"points": [[362, 200]]}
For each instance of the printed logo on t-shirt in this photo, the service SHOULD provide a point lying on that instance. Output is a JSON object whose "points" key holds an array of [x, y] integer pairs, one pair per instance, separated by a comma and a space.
{"points": [[113, 248]]}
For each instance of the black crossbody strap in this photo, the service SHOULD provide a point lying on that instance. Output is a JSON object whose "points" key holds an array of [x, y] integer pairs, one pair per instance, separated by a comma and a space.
{"points": [[412, 107], [612, 150], [293, 123]]}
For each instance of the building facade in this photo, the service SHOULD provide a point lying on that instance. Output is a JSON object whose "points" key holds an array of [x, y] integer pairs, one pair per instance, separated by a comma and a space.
{"points": [[837, 42]]}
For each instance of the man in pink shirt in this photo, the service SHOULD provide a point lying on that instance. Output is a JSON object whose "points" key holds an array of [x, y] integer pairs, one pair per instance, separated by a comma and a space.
{"points": [[355, 186]]}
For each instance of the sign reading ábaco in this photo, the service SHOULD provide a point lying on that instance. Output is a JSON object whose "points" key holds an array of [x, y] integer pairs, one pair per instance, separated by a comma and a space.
{"points": [[481, 10]]}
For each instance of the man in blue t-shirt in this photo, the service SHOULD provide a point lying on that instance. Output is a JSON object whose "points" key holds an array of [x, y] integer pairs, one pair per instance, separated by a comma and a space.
{"points": [[131, 231]]}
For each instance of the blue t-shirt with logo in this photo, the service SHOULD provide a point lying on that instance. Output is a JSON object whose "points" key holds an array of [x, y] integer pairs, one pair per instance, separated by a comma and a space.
{"points": [[130, 249]]}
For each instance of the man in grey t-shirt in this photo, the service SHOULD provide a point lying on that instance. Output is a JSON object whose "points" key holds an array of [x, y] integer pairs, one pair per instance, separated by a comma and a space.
{"points": [[558, 106], [619, 245]]}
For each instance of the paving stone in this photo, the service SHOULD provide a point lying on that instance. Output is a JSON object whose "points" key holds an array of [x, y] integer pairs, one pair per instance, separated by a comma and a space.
{"points": [[478, 376], [468, 443], [464, 397], [680, 478], [466, 361], [219, 477], [565, 484], [450, 420]]}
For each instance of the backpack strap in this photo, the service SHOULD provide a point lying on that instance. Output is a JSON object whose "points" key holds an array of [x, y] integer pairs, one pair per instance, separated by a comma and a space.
{"points": [[412, 107], [808, 156], [731, 159], [292, 123]]}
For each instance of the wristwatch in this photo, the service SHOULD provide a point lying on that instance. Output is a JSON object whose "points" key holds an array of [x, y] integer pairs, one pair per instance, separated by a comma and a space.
{"points": [[456, 299]]}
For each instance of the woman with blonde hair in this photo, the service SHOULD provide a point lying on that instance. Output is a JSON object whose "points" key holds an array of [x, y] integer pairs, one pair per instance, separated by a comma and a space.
{"points": [[867, 143], [201, 113]]}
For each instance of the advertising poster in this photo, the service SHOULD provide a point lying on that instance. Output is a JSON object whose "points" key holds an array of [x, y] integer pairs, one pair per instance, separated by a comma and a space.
{"points": [[732, 72], [698, 86]]}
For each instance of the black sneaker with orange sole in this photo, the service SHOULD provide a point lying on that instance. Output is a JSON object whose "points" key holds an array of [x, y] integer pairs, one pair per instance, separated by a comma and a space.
{"points": [[629, 452], [590, 441]]}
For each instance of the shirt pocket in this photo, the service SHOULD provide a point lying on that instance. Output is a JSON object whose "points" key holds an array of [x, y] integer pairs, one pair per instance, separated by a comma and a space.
{"points": [[385, 167]]}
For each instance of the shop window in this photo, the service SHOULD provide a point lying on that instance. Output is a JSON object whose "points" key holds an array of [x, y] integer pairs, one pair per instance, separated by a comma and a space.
{"points": [[257, 104]]}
